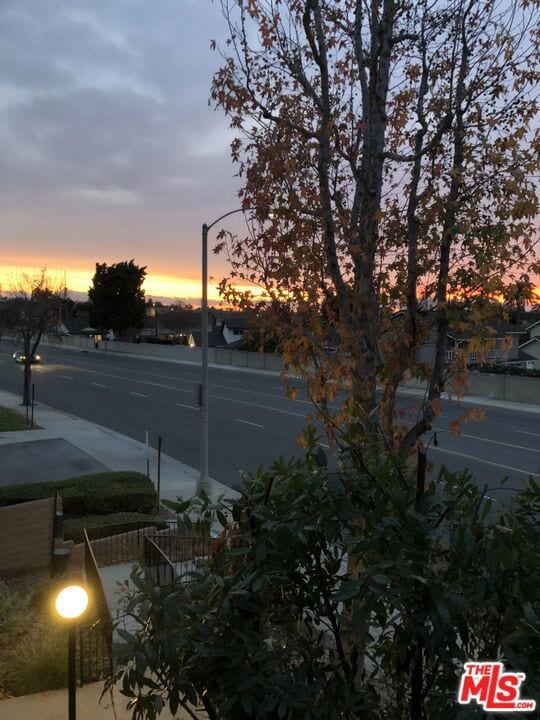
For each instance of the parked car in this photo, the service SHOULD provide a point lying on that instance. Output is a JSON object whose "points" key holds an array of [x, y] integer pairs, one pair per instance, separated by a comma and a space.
{"points": [[20, 357]]}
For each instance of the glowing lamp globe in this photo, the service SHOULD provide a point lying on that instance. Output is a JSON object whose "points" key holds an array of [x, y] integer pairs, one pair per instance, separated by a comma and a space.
{"points": [[71, 602]]}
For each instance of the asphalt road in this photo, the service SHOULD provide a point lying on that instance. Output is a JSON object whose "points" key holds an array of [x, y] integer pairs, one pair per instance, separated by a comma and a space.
{"points": [[251, 420]]}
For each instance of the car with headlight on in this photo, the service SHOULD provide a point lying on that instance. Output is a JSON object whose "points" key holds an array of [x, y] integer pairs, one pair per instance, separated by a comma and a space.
{"points": [[20, 357]]}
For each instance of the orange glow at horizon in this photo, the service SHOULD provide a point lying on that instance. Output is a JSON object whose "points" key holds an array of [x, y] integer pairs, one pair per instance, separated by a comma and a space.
{"points": [[155, 285]]}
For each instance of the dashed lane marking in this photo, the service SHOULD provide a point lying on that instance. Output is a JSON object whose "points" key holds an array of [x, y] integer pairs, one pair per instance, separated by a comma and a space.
{"points": [[247, 422], [189, 407], [138, 394], [261, 407], [495, 442], [486, 462]]}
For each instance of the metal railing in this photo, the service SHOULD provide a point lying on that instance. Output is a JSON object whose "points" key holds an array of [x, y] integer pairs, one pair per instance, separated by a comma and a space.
{"points": [[163, 552], [94, 651], [169, 555], [157, 563], [94, 641], [123, 542]]}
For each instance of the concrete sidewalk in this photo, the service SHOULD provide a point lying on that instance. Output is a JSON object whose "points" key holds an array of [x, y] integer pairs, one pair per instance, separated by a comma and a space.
{"points": [[476, 400], [52, 705], [105, 447]]}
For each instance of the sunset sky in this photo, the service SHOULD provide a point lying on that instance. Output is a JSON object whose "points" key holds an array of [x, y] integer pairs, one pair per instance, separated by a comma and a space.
{"points": [[108, 149]]}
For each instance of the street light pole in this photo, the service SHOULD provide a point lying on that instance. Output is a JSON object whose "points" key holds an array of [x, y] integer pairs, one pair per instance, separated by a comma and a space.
{"points": [[203, 483]]}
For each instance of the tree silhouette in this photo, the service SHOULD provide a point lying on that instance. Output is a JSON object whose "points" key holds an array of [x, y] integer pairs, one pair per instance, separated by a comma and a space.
{"points": [[117, 297], [33, 310]]}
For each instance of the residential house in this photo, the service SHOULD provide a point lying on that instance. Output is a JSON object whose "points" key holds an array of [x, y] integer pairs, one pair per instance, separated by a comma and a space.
{"points": [[234, 330], [530, 346]]}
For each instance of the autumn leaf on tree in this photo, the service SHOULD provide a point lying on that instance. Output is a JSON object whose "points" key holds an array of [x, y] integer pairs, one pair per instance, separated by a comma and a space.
{"points": [[365, 192]]}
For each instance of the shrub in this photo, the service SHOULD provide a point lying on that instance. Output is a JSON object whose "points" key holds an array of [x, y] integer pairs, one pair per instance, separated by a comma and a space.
{"points": [[38, 663], [73, 527], [99, 494], [346, 594], [509, 370]]}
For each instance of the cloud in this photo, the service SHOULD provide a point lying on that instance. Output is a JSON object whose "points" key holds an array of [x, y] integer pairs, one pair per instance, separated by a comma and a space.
{"points": [[107, 103]]}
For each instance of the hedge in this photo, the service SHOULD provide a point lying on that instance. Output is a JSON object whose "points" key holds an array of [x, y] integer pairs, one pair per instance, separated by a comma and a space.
{"points": [[508, 370], [99, 494], [113, 524]]}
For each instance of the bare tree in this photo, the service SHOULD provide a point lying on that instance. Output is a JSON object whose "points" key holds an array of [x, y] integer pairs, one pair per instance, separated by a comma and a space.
{"points": [[32, 310]]}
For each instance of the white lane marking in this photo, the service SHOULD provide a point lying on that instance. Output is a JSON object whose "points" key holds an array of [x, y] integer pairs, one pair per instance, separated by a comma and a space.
{"points": [[66, 377], [257, 392], [189, 407], [99, 385], [323, 445], [193, 382], [487, 462], [489, 440], [138, 394], [169, 387], [526, 432], [262, 407], [247, 422], [141, 382]]}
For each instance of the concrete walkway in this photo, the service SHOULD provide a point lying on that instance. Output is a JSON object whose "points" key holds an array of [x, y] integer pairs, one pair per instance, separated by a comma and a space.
{"points": [[52, 705]]}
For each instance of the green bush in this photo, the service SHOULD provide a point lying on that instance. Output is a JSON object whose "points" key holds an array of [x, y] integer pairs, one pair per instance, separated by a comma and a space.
{"points": [[99, 494], [73, 527], [38, 663], [344, 594], [11, 420], [509, 370]]}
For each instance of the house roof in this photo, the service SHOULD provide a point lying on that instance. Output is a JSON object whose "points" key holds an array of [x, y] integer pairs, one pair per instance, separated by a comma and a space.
{"points": [[528, 342], [237, 323], [522, 355], [78, 326], [215, 337], [500, 328]]}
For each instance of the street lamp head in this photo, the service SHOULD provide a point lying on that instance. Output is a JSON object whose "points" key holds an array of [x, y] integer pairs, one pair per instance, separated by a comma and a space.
{"points": [[71, 602]]}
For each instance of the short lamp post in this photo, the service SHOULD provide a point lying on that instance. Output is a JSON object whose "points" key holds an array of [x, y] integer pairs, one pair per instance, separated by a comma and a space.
{"points": [[70, 603]]}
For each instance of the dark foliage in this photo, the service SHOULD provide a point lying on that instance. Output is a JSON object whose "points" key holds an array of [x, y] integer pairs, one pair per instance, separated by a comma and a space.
{"points": [[117, 297], [341, 595]]}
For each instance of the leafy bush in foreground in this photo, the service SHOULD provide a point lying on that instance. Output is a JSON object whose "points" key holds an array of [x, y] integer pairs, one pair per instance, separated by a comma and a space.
{"points": [[342, 595]]}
